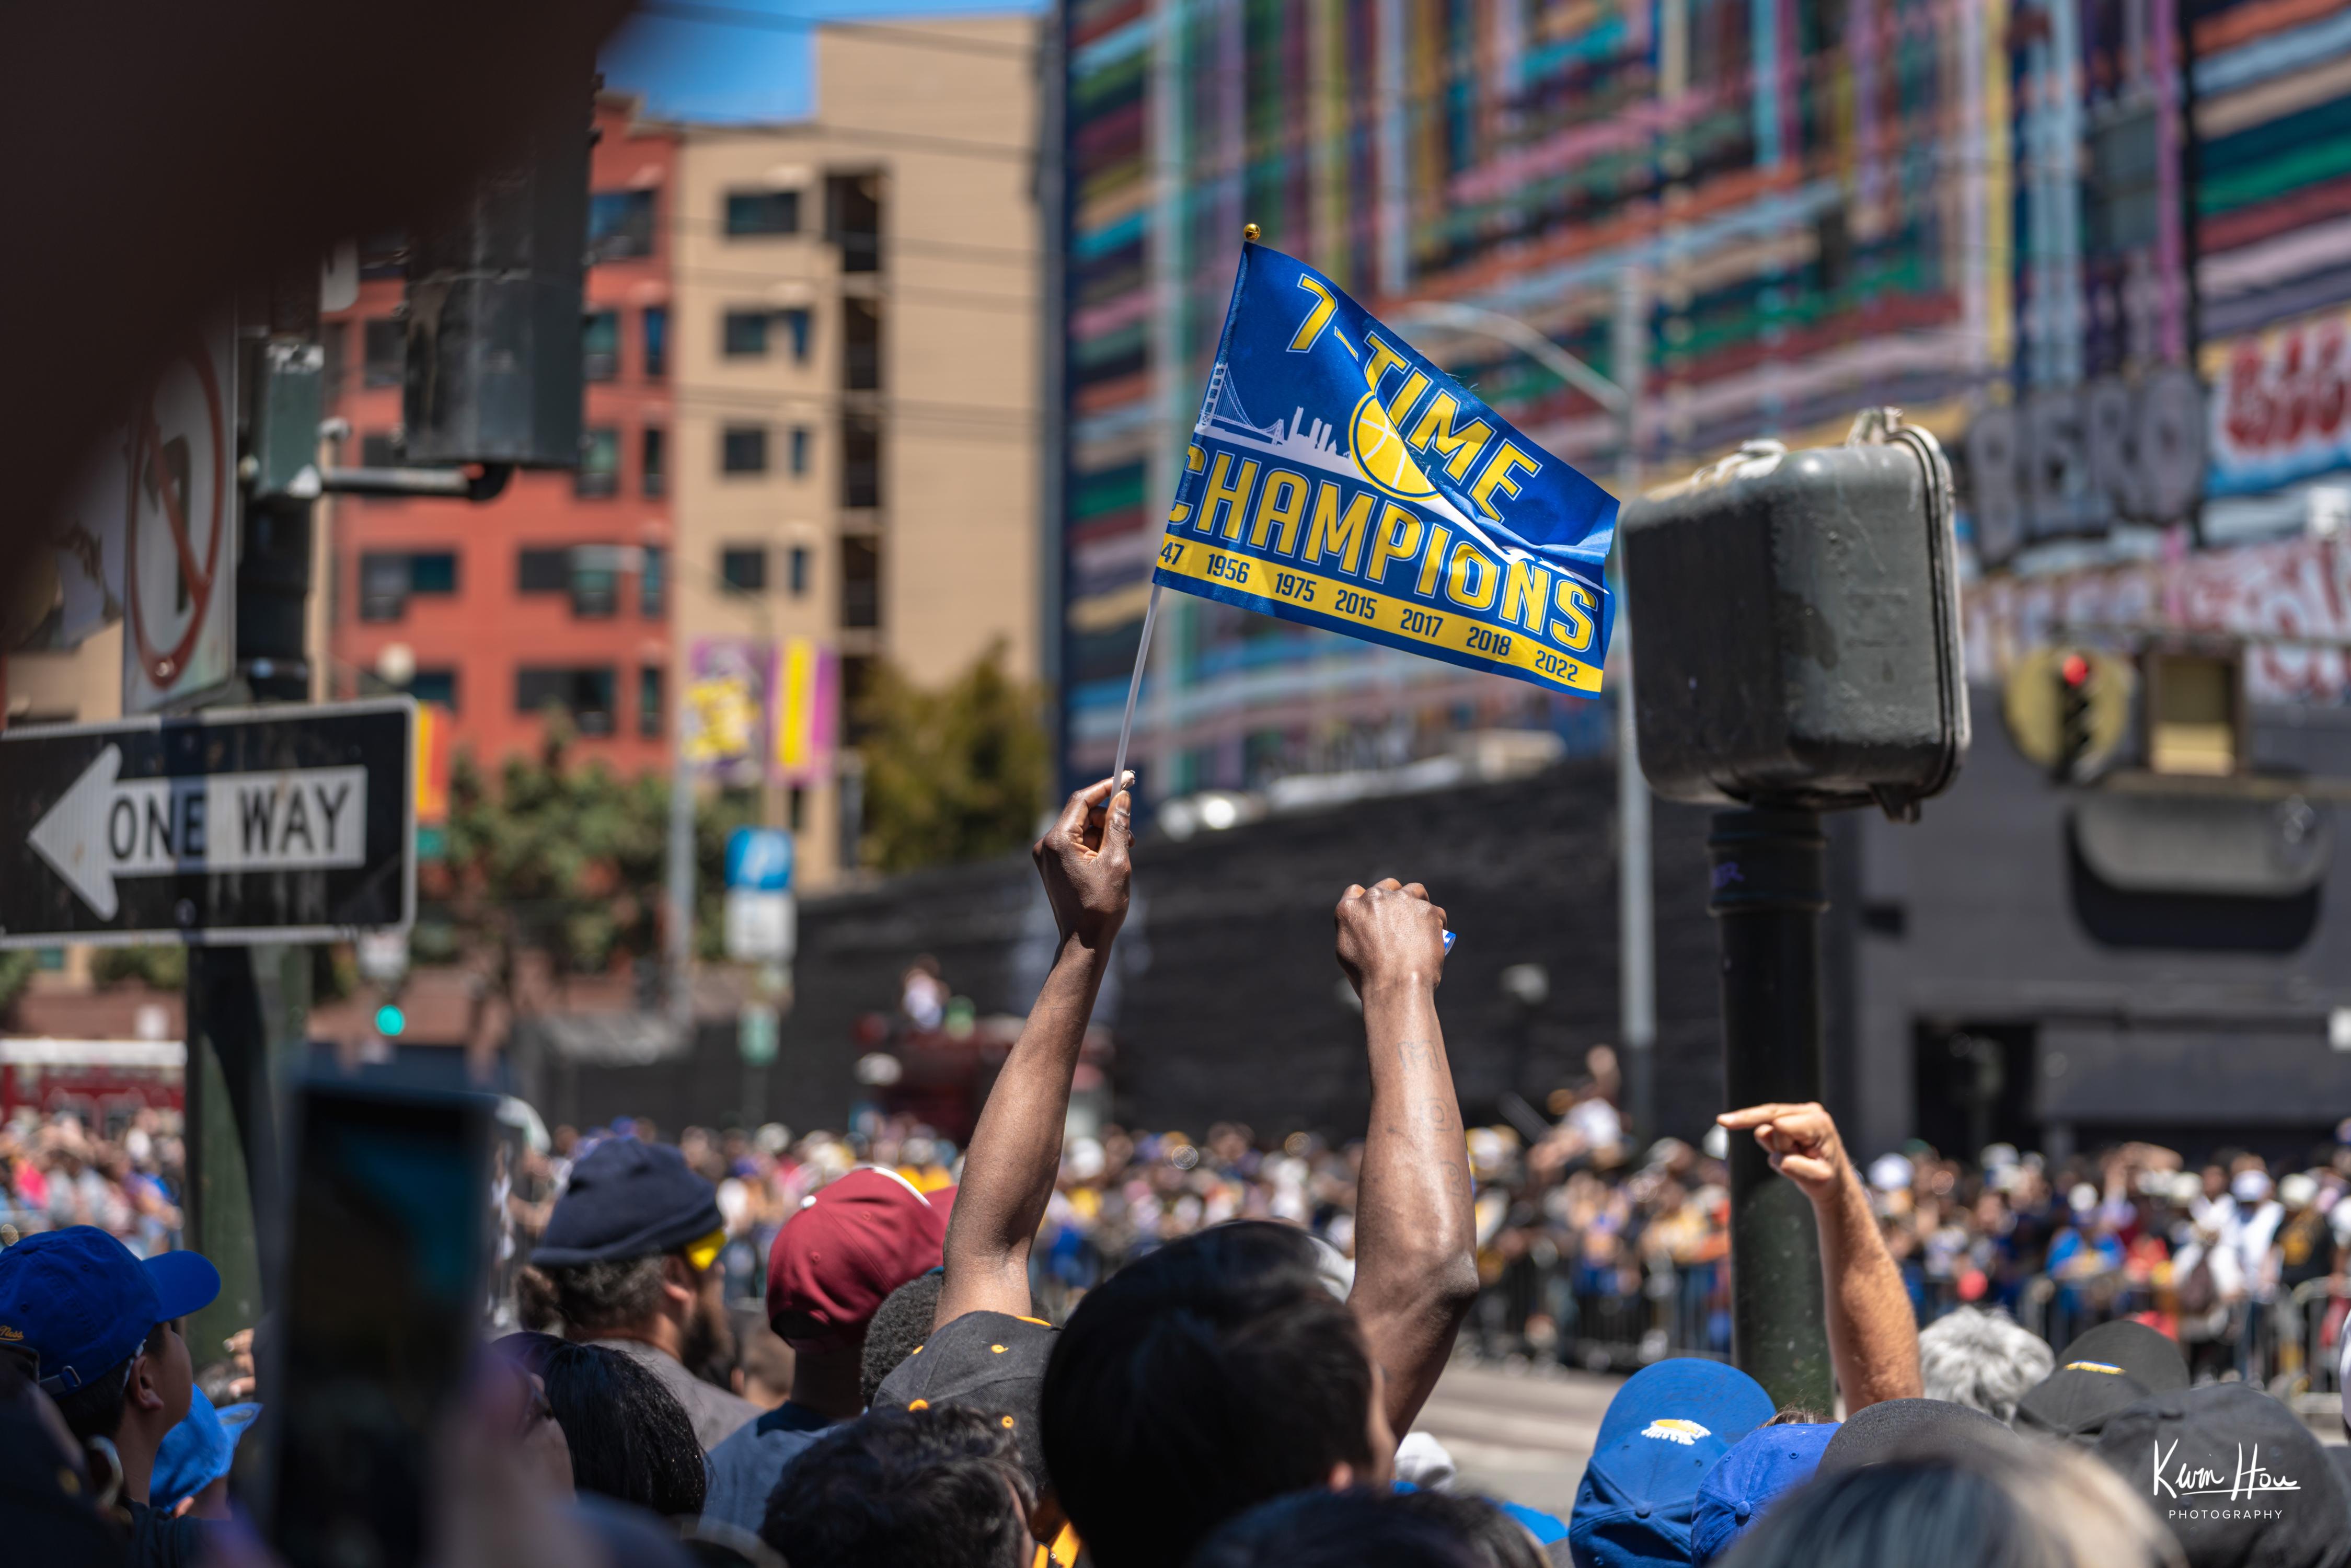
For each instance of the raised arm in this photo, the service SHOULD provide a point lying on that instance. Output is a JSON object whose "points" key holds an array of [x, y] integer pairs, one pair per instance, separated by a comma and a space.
{"points": [[1873, 1332], [1007, 1172], [1415, 1264]]}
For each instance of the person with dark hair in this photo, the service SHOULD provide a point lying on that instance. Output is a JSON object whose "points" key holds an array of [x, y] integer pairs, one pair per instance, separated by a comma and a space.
{"points": [[980, 1347], [102, 1329], [2052, 1509], [630, 1438], [1218, 1373], [1351, 1529], [936, 1488], [48, 1508], [831, 1267], [900, 1324], [1495, 1539], [630, 1253]]}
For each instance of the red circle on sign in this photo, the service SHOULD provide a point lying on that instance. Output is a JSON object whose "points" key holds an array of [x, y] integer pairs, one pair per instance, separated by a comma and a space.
{"points": [[160, 667]]}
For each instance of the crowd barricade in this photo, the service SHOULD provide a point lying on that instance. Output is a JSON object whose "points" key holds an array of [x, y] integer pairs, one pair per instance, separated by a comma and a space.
{"points": [[2299, 1341]]}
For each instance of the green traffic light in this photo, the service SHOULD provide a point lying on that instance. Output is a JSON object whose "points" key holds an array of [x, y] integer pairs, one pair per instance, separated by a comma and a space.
{"points": [[390, 1021]]}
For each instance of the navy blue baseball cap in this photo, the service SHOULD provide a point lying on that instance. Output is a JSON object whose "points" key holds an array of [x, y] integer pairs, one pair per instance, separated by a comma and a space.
{"points": [[628, 1199], [1759, 1467], [84, 1303], [1666, 1427]]}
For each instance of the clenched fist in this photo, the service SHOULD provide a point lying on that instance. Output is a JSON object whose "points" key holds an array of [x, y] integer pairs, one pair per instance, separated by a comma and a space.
{"points": [[1390, 932]]}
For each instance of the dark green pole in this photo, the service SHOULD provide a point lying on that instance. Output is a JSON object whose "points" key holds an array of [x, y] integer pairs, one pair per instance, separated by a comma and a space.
{"points": [[1769, 889]]}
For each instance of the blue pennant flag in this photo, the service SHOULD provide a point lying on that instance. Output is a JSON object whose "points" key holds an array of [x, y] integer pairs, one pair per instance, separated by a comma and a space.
{"points": [[1338, 479]]}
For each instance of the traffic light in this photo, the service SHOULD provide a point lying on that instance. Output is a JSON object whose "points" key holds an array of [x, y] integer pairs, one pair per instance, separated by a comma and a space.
{"points": [[2077, 680]]}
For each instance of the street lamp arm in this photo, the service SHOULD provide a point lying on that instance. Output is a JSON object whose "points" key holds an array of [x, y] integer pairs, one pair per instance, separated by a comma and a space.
{"points": [[1472, 318]]}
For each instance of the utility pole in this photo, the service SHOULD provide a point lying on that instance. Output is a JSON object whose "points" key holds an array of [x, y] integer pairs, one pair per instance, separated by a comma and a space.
{"points": [[1637, 976], [249, 1006], [1635, 922]]}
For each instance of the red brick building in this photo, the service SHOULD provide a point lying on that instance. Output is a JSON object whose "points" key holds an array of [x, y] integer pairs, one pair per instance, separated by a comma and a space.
{"points": [[558, 592]]}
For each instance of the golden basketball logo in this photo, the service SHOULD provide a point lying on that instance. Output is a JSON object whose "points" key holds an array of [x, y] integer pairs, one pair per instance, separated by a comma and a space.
{"points": [[1380, 453], [1673, 1429], [8, 1333]]}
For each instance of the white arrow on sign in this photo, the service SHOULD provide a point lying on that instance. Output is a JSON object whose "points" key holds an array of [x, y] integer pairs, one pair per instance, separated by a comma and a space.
{"points": [[105, 827]]}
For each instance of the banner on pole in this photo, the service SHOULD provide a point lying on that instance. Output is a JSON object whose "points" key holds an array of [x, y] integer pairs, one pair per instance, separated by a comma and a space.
{"points": [[1381, 500]]}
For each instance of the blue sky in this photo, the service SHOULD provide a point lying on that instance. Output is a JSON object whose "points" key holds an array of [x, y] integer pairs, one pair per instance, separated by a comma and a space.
{"points": [[708, 68]]}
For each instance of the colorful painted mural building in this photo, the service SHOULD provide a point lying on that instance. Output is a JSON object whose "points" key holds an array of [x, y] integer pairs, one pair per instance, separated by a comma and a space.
{"points": [[2102, 248]]}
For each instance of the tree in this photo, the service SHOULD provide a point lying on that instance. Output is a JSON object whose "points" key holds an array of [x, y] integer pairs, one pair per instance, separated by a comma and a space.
{"points": [[556, 858], [955, 774]]}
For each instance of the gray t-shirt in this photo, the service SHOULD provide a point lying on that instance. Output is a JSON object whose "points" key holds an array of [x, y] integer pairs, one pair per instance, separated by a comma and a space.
{"points": [[745, 1467], [716, 1414]]}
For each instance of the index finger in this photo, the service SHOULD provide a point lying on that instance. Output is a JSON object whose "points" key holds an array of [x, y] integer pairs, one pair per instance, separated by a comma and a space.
{"points": [[1756, 1115], [1073, 813]]}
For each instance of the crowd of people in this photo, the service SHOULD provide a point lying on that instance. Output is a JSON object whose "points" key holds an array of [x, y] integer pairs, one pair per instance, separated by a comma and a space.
{"points": [[124, 1179], [1247, 1334]]}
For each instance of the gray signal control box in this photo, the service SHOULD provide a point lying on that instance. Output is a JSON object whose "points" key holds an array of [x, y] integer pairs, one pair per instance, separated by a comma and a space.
{"points": [[1796, 625]]}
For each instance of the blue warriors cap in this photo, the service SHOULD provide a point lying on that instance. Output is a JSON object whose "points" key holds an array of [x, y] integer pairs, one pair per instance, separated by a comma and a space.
{"points": [[628, 1199], [84, 1303], [1746, 1482], [1666, 1427], [197, 1451]]}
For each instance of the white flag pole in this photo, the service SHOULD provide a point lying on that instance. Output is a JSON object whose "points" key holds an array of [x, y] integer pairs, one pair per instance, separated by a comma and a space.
{"points": [[1134, 689]]}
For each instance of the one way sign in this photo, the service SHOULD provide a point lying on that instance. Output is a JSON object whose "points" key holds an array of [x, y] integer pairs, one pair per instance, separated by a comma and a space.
{"points": [[230, 825]]}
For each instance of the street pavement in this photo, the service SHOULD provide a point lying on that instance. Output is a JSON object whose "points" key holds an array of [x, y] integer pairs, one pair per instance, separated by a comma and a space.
{"points": [[1520, 1434]]}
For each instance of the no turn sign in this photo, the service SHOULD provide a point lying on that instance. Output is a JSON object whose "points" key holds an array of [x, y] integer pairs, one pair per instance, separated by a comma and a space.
{"points": [[179, 494]]}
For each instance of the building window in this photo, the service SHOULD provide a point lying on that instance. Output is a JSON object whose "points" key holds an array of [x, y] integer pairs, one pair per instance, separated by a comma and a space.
{"points": [[388, 579], [860, 581], [743, 449], [745, 334], [386, 350], [654, 475], [744, 568], [599, 345], [763, 213], [799, 449], [800, 569], [595, 582], [600, 463], [861, 461], [382, 449], [796, 322], [652, 581], [649, 701], [435, 686], [540, 568], [619, 226], [656, 325], [856, 697], [861, 345], [852, 219], [384, 255], [586, 693]]}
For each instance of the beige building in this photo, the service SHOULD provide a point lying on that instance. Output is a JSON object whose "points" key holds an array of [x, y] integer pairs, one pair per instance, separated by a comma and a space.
{"points": [[856, 361]]}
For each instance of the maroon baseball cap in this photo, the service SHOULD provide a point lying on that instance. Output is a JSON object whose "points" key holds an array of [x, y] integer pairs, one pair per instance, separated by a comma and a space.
{"points": [[837, 1259]]}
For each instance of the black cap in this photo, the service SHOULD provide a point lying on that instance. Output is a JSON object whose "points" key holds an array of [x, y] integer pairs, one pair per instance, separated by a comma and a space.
{"points": [[2146, 1354], [2234, 1475], [989, 1362], [1916, 1429], [627, 1199], [2074, 1401]]}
